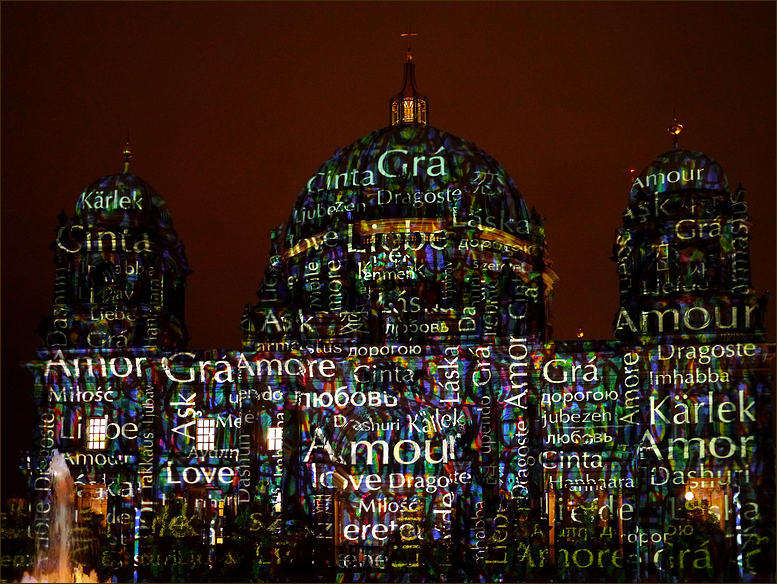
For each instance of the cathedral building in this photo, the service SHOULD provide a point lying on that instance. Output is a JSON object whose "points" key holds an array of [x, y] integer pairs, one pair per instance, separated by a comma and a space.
{"points": [[399, 409]]}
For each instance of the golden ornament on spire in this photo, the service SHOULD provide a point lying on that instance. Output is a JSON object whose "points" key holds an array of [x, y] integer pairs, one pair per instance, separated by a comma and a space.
{"points": [[127, 152], [675, 130]]}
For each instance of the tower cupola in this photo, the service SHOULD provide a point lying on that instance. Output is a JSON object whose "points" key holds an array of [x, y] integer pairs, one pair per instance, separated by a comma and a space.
{"points": [[409, 106], [120, 270], [683, 255]]}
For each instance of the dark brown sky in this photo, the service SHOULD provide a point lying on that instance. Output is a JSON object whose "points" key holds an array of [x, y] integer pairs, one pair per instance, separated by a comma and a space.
{"points": [[232, 106]]}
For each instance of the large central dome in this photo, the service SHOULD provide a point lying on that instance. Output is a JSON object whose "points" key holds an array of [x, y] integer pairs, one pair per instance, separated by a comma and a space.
{"points": [[409, 234]]}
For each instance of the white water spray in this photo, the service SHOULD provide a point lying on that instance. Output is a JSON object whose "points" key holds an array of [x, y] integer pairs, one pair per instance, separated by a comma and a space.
{"points": [[54, 566]]}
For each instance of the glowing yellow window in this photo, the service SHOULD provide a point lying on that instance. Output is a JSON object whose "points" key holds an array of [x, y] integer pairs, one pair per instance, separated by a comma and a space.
{"points": [[275, 439], [96, 432], [409, 112], [206, 434]]}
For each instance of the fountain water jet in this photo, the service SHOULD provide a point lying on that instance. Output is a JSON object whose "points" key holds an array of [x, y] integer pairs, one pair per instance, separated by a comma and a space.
{"points": [[54, 565]]}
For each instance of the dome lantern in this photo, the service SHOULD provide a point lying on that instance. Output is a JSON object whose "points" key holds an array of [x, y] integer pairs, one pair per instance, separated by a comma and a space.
{"points": [[409, 106]]}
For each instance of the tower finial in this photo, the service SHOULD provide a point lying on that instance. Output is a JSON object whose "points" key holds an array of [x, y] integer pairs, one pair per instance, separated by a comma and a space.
{"points": [[408, 35], [127, 152], [675, 130]]}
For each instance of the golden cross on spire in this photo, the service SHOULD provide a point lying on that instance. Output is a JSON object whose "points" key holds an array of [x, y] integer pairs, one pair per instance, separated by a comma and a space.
{"points": [[408, 35]]}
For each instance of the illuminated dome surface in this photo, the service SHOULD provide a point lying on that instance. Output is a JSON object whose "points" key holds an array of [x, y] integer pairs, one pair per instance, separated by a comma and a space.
{"points": [[408, 172], [122, 200], [679, 170]]}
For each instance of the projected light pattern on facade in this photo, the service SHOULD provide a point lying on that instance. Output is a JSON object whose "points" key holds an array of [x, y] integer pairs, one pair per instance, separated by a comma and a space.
{"points": [[683, 256], [398, 409], [435, 449]]}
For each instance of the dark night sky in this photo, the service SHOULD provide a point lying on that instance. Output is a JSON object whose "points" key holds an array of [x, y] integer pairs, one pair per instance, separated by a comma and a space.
{"points": [[232, 106]]}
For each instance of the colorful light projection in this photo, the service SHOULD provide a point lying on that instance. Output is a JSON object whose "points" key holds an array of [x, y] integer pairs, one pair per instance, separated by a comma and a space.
{"points": [[397, 411], [408, 235], [682, 255], [523, 461], [121, 271]]}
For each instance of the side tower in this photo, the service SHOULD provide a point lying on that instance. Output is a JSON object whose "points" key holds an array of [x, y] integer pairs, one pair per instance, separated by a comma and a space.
{"points": [[696, 386], [683, 255], [99, 386]]}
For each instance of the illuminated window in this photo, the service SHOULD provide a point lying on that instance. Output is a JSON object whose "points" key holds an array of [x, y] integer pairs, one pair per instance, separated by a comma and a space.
{"points": [[206, 434], [92, 498], [409, 114], [275, 439], [96, 433]]}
